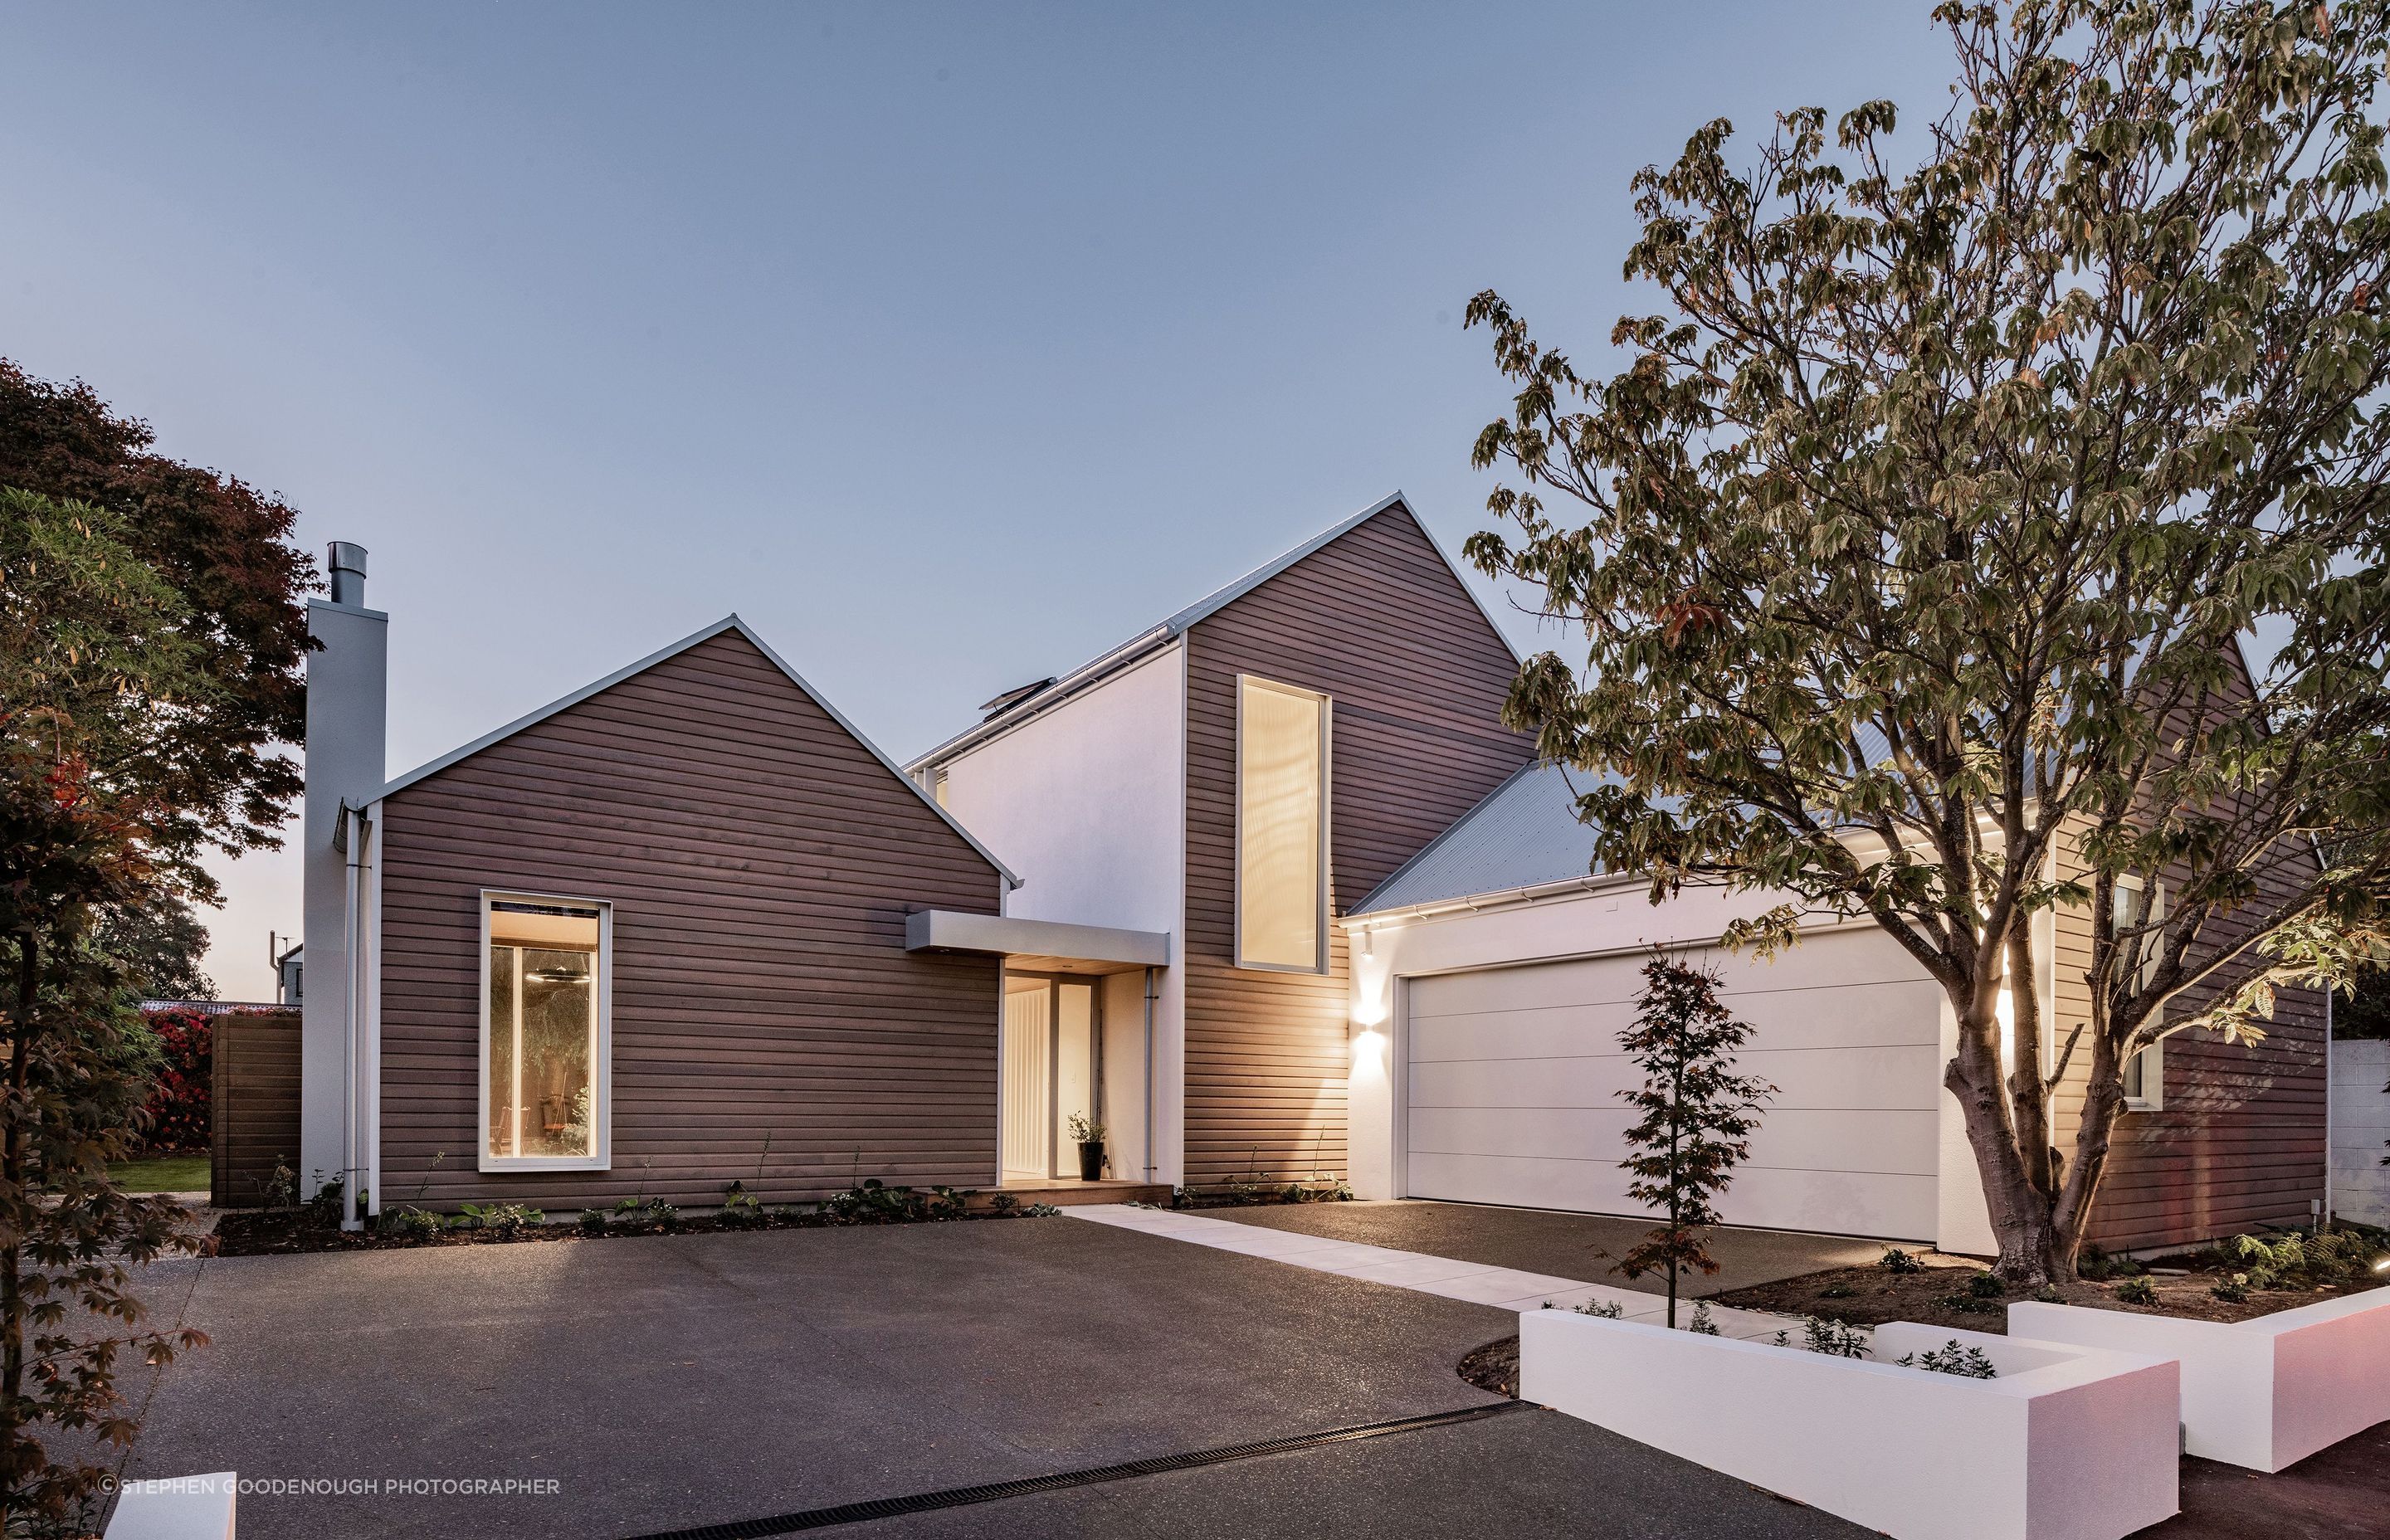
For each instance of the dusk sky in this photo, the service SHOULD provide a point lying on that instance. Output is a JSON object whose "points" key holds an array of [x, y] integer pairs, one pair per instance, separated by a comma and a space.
{"points": [[948, 346]]}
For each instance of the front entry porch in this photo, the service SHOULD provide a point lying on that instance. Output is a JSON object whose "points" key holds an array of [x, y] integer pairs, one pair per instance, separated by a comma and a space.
{"points": [[1074, 1056]]}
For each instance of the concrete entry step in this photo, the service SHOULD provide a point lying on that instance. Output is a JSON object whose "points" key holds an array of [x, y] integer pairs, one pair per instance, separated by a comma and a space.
{"points": [[1065, 1194]]}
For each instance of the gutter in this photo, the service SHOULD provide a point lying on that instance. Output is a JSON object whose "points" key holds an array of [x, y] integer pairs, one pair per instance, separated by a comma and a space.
{"points": [[1503, 898]]}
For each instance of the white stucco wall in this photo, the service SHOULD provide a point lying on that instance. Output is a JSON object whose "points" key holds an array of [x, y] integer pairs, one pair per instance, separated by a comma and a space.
{"points": [[1608, 919], [1087, 803]]}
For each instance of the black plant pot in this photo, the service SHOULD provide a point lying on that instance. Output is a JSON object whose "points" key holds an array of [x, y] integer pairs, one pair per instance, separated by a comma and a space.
{"points": [[1091, 1161]]}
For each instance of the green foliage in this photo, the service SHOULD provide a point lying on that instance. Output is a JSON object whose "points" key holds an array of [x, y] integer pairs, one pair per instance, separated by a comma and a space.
{"points": [[1894, 1260], [740, 1209], [2297, 1259], [506, 1219], [97, 668], [408, 1223], [2364, 1010], [1836, 1292], [874, 1202], [1607, 1310], [2136, 1290], [1965, 1360], [1988, 1286], [1919, 525], [1041, 1210], [1697, 1114], [1084, 1130], [1702, 1323], [2232, 1291], [1837, 1339], [593, 1221]]}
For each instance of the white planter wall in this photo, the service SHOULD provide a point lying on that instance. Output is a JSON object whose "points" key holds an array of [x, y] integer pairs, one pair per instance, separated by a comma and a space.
{"points": [[2360, 1127], [2262, 1393], [179, 1507], [2068, 1443]]}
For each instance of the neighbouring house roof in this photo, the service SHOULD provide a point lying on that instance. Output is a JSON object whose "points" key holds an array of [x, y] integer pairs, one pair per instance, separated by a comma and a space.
{"points": [[728, 622], [1523, 835], [1017, 705]]}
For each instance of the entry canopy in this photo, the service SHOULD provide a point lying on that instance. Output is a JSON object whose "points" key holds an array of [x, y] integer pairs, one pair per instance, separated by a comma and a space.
{"points": [[1038, 945]]}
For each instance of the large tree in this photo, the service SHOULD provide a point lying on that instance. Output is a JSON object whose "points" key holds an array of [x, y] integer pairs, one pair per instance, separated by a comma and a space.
{"points": [[1915, 542], [224, 547], [95, 653]]}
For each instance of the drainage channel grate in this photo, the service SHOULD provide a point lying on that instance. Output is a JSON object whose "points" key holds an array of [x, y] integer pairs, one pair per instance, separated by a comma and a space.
{"points": [[964, 1496]]}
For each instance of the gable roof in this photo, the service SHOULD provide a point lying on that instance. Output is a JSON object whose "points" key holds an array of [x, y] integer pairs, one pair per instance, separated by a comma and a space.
{"points": [[727, 623], [1524, 834], [1032, 700]]}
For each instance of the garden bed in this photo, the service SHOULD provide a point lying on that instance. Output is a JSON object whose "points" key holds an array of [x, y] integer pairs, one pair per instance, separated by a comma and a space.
{"points": [[316, 1227], [1944, 1292]]}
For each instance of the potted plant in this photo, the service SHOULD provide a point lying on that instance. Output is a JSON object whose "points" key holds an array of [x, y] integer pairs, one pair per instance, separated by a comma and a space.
{"points": [[1090, 1136]]}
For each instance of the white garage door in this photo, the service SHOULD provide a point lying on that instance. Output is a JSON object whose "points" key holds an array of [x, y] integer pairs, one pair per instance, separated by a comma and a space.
{"points": [[1513, 1075]]}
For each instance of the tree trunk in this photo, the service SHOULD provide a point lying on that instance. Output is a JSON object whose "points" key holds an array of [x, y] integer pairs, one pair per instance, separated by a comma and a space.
{"points": [[2021, 1215]]}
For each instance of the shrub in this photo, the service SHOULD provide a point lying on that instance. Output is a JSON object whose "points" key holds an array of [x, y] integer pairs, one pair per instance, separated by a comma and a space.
{"points": [[408, 1223], [874, 1202], [593, 1221], [1702, 1323], [2137, 1292], [1837, 1339], [1836, 1292], [2232, 1291], [741, 1210], [506, 1219], [1894, 1260], [1967, 1362], [176, 1116]]}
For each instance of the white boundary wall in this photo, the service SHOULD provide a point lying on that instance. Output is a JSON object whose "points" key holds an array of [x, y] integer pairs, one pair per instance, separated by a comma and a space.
{"points": [[2068, 1443], [2262, 1393]]}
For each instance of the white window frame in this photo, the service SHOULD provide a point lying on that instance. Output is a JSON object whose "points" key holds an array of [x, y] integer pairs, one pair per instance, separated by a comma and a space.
{"points": [[2152, 1058], [602, 1100], [1326, 705]]}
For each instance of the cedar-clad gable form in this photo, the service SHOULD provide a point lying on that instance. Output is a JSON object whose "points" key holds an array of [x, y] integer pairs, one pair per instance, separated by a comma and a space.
{"points": [[768, 1023], [1377, 621]]}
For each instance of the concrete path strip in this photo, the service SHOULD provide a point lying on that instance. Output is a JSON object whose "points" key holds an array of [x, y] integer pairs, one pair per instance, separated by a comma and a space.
{"points": [[1505, 1288]]}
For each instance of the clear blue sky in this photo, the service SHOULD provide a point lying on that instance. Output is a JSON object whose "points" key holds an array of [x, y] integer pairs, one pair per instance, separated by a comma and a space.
{"points": [[948, 345]]}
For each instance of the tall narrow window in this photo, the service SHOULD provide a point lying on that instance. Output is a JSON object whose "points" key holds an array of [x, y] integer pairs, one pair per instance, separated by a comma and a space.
{"points": [[2145, 1074], [544, 1038], [1282, 826]]}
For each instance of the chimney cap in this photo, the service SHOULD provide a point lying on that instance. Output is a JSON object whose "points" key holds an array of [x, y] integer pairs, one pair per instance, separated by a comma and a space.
{"points": [[348, 572]]}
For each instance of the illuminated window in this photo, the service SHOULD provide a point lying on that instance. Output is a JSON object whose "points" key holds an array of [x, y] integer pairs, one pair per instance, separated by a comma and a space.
{"points": [[543, 1032], [1281, 827], [2145, 1074]]}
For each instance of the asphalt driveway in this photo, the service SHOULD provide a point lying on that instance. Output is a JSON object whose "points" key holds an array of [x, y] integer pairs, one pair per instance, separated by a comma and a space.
{"points": [[666, 1382], [1580, 1246]]}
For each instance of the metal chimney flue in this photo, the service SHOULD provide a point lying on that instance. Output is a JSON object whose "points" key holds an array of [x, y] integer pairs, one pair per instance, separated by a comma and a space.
{"points": [[347, 563]]}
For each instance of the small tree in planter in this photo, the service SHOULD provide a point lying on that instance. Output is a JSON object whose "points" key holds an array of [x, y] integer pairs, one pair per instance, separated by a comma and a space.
{"points": [[1698, 1114]]}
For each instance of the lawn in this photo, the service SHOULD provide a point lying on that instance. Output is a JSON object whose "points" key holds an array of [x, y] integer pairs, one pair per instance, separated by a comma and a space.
{"points": [[165, 1173]]}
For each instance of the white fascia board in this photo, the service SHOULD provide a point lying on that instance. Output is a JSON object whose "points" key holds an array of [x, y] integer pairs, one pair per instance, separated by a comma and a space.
{"points": [[728, 622]]}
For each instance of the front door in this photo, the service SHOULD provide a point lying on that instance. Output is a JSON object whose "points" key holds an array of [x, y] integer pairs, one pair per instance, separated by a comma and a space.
{"points": [[1050, 1072]]}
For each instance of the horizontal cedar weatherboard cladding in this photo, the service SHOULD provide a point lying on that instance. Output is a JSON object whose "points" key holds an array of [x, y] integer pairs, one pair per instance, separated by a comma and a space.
{"points": [[2238, 1144], [1377, 622], [761, 863]]}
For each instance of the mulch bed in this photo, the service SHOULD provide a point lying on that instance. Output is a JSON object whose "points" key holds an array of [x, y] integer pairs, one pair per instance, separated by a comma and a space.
{"points": [[282, 1232], [1494, 1367], [1938, 1296]]}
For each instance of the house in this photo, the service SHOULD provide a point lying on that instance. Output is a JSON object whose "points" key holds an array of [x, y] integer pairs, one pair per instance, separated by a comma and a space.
{"points": [[1267, 891]]}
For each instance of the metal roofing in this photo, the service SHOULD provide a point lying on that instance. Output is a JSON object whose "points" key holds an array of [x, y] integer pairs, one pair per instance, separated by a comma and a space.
{"points": [[1524, 834], [1106, 663]]}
